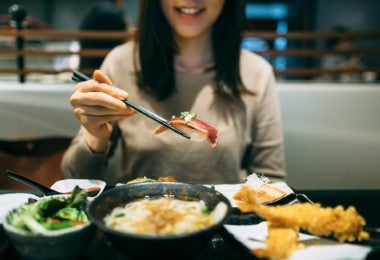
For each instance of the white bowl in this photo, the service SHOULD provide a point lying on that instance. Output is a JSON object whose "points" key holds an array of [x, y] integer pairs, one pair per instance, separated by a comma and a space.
{"points": [[67, 185]]}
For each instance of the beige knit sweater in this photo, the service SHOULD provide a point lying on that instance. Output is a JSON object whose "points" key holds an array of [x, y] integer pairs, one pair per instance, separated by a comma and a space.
{"points": [[254, 122]]}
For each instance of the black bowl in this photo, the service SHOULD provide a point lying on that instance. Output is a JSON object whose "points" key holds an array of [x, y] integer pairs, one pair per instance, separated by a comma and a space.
{"points": [[157, 247], [3, 239], [60, 244]]}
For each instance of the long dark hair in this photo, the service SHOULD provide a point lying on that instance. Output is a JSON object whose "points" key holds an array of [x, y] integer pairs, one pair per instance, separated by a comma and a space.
{"points": [[156, 49]]}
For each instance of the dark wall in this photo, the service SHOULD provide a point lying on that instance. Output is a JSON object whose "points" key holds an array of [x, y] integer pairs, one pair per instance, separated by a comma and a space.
{"points": [[357, 15], [64, 15], [354, 14]]}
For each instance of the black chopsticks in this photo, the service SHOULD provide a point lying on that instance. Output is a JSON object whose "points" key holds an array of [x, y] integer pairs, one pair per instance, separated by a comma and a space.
{"points": [[78, 76]]}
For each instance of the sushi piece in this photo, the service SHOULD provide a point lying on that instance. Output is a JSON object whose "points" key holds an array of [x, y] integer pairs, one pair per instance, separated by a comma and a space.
{"points": [[197, 129]]}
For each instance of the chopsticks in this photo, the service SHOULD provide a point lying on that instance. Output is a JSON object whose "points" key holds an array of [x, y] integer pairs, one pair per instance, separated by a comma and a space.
{"points": [[78, 76]]}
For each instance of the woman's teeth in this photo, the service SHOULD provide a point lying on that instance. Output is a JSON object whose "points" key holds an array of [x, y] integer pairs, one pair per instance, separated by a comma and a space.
{"points": [[189, 10]]}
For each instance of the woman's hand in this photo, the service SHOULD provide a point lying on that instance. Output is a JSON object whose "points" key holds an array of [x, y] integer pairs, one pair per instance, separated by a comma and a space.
{"points": [[97, 105]]}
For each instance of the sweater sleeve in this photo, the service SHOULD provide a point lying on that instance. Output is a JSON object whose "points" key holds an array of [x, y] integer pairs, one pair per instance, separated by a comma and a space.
{"points": [[79, 161], [266, 154]]}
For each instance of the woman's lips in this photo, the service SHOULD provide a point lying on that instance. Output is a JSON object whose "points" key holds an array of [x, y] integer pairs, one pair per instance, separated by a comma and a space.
{"points": [[189, 13]]}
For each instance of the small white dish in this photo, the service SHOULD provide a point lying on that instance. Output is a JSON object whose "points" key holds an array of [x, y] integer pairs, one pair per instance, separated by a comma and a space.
{"points": [[10, 201], [229, 190], [67, 185]]}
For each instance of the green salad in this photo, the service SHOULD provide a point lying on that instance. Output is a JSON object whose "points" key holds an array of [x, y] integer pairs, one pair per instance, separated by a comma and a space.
{"points": [[52, 213]]}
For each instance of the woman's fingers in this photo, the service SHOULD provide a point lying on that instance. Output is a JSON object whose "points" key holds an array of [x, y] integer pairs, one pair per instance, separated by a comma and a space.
{"points": [[98, 111], [97, 104], [102, 78], [103, 99], [94, 86], [98, 126], [97, 121], [100, 101]]}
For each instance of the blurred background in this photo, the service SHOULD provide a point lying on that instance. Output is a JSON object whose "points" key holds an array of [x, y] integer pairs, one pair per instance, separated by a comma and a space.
{"points": [[302, 39], [325, 54]]}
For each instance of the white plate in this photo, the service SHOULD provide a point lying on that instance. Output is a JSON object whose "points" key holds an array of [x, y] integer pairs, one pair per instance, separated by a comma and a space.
{"points": [[67, 185], [253, 237], [13, 200], [229, 190]]}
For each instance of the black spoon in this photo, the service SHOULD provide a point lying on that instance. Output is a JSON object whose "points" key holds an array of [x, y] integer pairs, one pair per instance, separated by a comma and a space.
{"points": [[46, 191]]}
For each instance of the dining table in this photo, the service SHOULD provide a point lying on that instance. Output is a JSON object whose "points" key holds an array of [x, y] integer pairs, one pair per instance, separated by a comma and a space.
{"points": [[225, 245]]}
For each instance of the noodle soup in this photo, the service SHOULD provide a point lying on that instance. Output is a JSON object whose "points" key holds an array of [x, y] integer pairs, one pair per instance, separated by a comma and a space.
{"points": [[160, 216]]}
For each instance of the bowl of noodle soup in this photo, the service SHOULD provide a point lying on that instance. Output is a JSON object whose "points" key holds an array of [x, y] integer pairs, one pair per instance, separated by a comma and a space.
{"points": [[160, 219]]}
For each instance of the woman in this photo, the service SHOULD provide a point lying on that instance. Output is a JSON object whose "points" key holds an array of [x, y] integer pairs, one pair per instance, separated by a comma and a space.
{"points": [[186, 57]]}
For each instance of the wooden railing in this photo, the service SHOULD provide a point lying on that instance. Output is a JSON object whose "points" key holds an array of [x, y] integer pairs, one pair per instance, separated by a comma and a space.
{"points": [[305, 46], [50, 36], [311, 45]]}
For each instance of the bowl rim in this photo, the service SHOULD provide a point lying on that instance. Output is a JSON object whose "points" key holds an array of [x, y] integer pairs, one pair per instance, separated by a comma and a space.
{"points": [[100, 223], [14, 200], [49, 233]]}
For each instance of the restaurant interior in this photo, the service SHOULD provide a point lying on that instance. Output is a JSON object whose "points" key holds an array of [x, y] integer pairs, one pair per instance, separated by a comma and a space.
{"points": [[329, 96]]}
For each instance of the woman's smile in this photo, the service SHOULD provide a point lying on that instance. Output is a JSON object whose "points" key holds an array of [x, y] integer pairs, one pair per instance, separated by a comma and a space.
{"points": [[191, 19], [189, 13]]}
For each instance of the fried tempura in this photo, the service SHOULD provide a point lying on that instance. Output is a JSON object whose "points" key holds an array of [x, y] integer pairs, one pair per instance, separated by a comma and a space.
{"points": [[345, 225], [276, 250]]}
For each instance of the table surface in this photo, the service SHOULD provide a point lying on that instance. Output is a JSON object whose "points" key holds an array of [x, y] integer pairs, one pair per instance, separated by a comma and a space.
{"points": [[31, 111], [225, 246]]}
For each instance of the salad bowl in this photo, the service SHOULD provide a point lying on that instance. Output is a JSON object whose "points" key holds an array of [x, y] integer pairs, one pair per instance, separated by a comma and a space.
{"points": [[53, 227]]}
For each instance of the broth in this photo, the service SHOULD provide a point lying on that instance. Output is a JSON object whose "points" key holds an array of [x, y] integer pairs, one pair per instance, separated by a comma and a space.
{"points": [[163, 216]]}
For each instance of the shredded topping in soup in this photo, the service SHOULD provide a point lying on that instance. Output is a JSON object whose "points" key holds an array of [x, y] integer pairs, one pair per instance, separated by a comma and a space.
{"points": [[163, 216]]}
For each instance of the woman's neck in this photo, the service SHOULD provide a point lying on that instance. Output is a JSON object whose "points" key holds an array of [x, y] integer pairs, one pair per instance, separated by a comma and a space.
{"points": [[195, 55]]}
